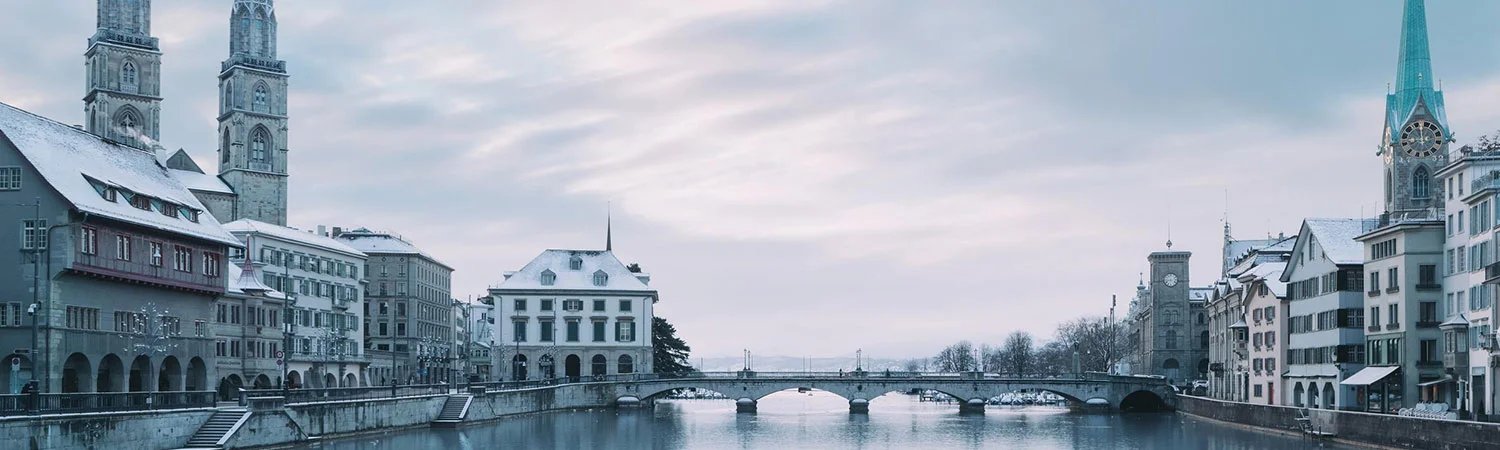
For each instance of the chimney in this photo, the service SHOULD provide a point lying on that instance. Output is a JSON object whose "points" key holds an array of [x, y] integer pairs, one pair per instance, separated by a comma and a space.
{"points": [[322, 231], [338, 231]]}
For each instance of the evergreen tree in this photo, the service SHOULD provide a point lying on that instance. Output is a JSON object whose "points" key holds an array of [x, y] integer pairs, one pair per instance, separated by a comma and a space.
{"points": [[669, 352]]}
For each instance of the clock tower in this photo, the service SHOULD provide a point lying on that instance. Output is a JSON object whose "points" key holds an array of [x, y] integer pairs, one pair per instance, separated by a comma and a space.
{"points": [[1169, 339], [1415, 142]]}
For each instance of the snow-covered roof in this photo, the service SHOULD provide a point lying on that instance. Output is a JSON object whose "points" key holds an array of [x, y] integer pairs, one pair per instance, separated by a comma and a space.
{"points": [[201, 181], [558, 262], [292, 234], [1459, 320], [1270, 274], [374, 242], [1200, 293], [249, 281], [1336, 237], [66, 157]]}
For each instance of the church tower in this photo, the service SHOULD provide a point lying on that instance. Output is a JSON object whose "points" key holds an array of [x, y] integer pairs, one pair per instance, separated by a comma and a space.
{"points": [[124, 75], [1415, 142], [253, 115]]}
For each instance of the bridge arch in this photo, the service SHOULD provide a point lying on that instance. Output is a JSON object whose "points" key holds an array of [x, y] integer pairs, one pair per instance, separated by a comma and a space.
{"points": [[1143, 400]]}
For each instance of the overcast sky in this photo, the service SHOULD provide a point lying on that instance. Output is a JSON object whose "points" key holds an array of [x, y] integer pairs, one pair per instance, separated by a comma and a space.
{"points": [[810, 177]]}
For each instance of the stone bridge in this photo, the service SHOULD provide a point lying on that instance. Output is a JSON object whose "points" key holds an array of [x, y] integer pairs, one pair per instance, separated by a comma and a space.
{"points": [[972, 390]]}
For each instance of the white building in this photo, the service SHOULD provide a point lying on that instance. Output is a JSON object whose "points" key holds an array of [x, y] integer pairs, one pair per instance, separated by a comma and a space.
{"points": [[581, 309], [1265, 306], [1468, 303], [322, 278], [1325, 320]]}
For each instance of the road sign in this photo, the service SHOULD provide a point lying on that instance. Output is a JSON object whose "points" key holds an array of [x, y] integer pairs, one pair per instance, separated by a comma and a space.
{"points": [[279, 354], [278, 362]]}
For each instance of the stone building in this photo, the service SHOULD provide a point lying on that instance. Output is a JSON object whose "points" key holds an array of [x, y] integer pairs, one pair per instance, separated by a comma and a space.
{"points": [[122, 263], [1228, 327], [1169, 329], [247, 332], [1265, 310], [1467, 307], [408, 308], [582, 310], [123, 75]]}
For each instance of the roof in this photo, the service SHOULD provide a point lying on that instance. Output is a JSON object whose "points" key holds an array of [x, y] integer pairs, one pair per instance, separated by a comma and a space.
{"points": [[248, 280], [199, 181], [65, 156], [1414, 84], [380, 243], [1200, 293], [1336, 237], [1270, 274], [307, 238], [557, 262]]}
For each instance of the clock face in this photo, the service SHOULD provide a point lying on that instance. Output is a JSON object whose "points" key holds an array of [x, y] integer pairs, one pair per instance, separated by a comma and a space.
{"points": [[1170, 279], [1421, 139]]}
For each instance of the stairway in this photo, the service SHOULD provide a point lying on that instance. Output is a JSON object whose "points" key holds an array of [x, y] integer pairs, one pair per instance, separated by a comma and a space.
{"points": [[454, 410], [219, 426]]}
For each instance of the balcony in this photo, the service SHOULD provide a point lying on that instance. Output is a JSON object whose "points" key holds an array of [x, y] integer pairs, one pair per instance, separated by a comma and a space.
{"points": [[115, 37], [1393, 289], [1372, 293], [1427, 323], [328, 357], [1487, 181], [1429, 286], [253, 62]]}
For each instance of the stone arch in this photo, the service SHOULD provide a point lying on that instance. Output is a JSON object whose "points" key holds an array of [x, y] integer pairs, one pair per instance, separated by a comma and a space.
{"points": [[1143, 401], [598, 365], [573, 366], [1312, 395], [262, 382], [1298, 393], [229, 387], [15, 371], [169, 378], [330, 381], [140, 374], [1329, 397], [197, 375], [294, 379], [111, 376], [350, 380], [260, 97], [627, 365]]}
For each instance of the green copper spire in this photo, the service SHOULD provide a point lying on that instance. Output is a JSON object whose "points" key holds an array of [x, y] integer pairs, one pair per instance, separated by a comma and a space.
{"points": [[1414, 83]]}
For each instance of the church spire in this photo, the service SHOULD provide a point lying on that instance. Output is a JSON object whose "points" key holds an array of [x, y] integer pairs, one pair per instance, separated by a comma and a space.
{"points": [[1414, 83], [609, 231]]}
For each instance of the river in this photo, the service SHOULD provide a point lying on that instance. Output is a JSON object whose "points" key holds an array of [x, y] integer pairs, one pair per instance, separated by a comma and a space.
{"points": [[817, 420]]}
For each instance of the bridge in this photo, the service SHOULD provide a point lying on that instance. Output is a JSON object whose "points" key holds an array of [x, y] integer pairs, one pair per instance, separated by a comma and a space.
{"points": [[972, 390]]}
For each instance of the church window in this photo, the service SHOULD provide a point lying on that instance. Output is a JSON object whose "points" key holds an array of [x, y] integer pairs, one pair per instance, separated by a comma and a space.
{"points": [[1419, 183], [228, 95], [258, 146], [127, 126], [224, 146], [261, 101], [128, 77], [1171, 341]]}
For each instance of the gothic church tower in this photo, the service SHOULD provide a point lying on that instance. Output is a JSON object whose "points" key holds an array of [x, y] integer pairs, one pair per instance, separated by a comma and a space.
{"points": [[253, 115], [1415, 142], [124, 75]]}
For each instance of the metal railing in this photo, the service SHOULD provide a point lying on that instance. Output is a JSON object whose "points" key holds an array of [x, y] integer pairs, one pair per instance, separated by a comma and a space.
{"points": [[304, 395], [83, 402]]}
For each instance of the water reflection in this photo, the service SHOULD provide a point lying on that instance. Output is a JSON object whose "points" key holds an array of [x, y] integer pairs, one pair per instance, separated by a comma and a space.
{"points": [[790, 420]]}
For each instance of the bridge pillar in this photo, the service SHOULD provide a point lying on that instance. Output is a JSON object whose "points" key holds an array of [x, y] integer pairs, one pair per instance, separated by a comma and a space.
{"points": [[744, 405], [859, 406], [972, 406]]}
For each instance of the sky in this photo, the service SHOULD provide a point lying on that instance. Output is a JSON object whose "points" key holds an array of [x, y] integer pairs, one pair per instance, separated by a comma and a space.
{"points": [[812, 177]]}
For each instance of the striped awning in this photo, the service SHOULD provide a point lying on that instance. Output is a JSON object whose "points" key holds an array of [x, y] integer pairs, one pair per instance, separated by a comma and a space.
{"points": [[1369, 375]]}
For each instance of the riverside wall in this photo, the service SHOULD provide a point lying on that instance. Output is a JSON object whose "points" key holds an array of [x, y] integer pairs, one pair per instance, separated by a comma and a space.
{"points": [[139, 429], [1350, 426]]}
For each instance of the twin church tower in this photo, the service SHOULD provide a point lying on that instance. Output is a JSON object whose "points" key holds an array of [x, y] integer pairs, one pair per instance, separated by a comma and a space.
{"points": [[124, 104]]}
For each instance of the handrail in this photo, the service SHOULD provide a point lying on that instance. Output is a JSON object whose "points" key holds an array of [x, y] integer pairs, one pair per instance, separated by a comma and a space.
{"points": [[85, 402]]}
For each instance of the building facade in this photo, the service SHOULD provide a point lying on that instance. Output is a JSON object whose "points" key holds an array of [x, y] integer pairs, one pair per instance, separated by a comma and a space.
{"points": [[1170, 330], [123, 75], [247, 330], [1265, 305], [1467, 308], [1325, 317], [571, 313], [408, 308]]}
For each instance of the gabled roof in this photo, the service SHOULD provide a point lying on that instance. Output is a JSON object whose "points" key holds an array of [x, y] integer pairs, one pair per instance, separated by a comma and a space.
{"points": [[294, 235], [1270, 274], [248, 280], [199, 181], [558, 261], [66, 157], [377, 243], [1336, 237]]}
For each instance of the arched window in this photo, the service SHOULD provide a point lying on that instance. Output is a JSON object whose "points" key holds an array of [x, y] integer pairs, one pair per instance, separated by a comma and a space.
{"points": [[627, 364], [260, 142], [129, 77], [601, 278], [127, 127], [261, 102], [575, 263], [1420, 183], [599, 365], [224, 146]]}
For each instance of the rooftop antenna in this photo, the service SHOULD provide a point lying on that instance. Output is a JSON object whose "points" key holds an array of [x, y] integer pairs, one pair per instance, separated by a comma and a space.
{"points": [[609, 231]]}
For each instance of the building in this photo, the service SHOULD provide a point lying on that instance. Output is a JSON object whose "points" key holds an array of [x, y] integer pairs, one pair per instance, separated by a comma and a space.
{"points": [[1164, 327], [1401, 332], [252, 179], [1325, 316], [582, 309], [322, 279], [121, 262], [247, 332], [1265, 306], [123, 75], [1467, 307], [408, 308], [1229, 358]]}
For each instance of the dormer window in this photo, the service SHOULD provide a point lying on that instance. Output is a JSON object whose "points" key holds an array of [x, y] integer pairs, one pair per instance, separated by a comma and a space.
{"points": [[601, 278], [548, 278], [575, 263]]}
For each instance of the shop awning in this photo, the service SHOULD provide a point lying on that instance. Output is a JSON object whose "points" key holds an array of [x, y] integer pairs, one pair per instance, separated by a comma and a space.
{"points": [[1444, 379], [1369, 375]]}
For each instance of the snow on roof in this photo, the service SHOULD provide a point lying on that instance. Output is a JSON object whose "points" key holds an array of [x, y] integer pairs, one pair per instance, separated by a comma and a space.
{"points": [[1270, 274], [201, 181], [65, 156], [1336, 237], [249, 281], [1200, 293], [559, 263], [373, 242], [309, 239]]}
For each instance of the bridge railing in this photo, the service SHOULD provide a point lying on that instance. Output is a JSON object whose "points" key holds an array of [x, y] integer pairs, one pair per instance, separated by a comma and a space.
{"points": [[82, 402], [312, 395]]}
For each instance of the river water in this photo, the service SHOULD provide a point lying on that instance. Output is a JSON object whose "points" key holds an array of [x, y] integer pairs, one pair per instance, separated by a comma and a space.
{"points": [[817, 420]]}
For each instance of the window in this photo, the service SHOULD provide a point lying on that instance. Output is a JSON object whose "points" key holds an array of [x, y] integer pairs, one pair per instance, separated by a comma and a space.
{"points": [[34, 234], [625, 305], [211, 264], [547, 329], [88, 241], [599, 335], [1419, 183], [1374, 316], [259, 141], [1427, 275], [401, 329], [575, 263], [546, 304], [261, 102], [1429, 351], [1383, 249], [1393, 310], [627, 364], [573, 305], [520, 304], [625, 331], [156, 258], [1374, 282], [548, 278], [10, 314], [1393, 277], [10, 178], [598, 305], [129, 77], [601, 278], [1171, 340], [518, 330], [82, 318], [182, 259], [572, 331], [1428, 312]]}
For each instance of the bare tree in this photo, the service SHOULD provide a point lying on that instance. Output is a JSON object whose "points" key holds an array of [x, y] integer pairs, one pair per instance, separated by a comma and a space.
{"points": [[958, 357], [1017, 355], [1091, 341]]}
